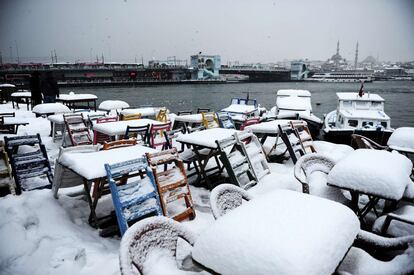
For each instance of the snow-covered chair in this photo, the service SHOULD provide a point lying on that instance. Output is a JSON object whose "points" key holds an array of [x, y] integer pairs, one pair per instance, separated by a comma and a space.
{"points": [[151, 235], [209, 120], [172, 183], [249, 121], [30, 165], [99, 137], [311, 171], [225, 120], [77, 130], [304, 135], [141, 133], [134, 196], [292, 142], [156, 135], [226, 197], [131, 116], [63, 176], [119, 144], [362, 142], [237, 163], [162, 115]]}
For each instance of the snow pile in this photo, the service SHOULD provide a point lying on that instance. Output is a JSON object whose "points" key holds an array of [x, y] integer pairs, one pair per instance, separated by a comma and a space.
{"points": [[73, 96], [21, 94], [402, 139], [240, 109], [119, 127], [283, 232], [108, 105], [194, 118], [374, 172], [397, 228], [207, 138], [41, 235], [50, 108]]}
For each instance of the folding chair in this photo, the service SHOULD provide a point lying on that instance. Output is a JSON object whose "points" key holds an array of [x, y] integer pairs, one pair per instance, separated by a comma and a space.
{"points": [[119, 144], [29, 162], [99, 137], [225, 120], [130, 116], [141, 133], [203, 110], [210, 120], [237, 163], [362, 142], [172, 183], [250, 121], [77, 130], [303, 134], [10, 128], [94, 118], [182, 113], [156, 130], [162, 115], [292, 142], [134, 197]]}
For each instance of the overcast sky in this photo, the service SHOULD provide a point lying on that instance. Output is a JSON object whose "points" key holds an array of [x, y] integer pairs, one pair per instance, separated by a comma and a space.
{"points": [[247, 31]]}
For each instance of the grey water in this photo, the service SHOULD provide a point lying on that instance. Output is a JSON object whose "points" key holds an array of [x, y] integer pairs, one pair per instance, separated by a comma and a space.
{"points": [[398, 95]]}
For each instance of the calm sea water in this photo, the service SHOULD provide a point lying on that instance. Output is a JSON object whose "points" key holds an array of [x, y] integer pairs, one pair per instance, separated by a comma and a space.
{"points": [[398, 95]]}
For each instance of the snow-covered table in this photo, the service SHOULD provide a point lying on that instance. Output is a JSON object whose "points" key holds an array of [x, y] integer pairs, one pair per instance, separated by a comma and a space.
{"points": [[144, 111], [204, 146], [72, 99], [109, 105], [117, 128], [49, 109], [10, 124], [282, 232], [90, 166], [21, 97], [190, 119], [268, 128], [377, 173], [402, 140]]}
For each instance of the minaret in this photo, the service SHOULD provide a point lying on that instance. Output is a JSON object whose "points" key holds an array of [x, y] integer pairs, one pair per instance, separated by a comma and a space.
{"points": [[356, 56], [337, 48]]}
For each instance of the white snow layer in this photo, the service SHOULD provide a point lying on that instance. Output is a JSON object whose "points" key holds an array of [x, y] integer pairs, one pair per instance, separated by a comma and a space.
{"points": [[374, 172], [108, 105], [49, 108], [73, 96], [283, 232], [402, 139]]}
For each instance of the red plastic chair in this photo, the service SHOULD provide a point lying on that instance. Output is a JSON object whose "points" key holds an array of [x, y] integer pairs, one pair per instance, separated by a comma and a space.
{"points": [[159, 129], [250, 121], [99, 137]]}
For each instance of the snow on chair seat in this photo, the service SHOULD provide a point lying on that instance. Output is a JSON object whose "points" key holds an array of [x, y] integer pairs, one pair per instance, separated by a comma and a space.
{"points": [[226, 197], [28, 164], [134, 196], [172, 182], [77, 130], [151, 235]]}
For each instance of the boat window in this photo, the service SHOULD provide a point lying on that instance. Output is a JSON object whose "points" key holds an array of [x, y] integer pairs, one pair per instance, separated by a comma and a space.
{"points": [[234, 101], [376, 104], [353, 123], [242, 101], [347, 104], [361, 105], [367, 124], [384, 124]]}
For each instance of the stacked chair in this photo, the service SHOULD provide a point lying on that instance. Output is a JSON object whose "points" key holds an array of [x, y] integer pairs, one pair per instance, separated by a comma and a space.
{"points": [[304, 135], [134, 195], [99, 137], [172, 183], [77, 130], [28, 160], [225, 120], [10, 128]]}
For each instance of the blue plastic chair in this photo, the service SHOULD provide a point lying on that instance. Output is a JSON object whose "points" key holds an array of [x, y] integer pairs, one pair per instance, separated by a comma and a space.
{"points": [[225, 120], [134, 195]]}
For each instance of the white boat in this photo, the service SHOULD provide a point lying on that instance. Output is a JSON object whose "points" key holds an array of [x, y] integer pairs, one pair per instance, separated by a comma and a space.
{"points": [[241, 109], [343, 76], [363, 115], [296, 104]]}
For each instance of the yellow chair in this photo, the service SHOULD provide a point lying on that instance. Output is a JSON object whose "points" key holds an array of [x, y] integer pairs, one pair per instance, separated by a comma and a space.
{"points": [[210, 120], [131, 116], [162, 115]]}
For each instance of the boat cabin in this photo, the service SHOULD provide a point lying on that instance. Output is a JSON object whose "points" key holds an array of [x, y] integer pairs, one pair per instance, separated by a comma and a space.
{"points": [[366, 112], [293, 100], [241, 109]]}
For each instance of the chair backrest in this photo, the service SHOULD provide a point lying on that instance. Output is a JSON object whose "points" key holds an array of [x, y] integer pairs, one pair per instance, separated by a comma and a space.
{"points": [[226, 197], [195, 129], [159, 129], [203, 110], [73, 119], [77, 130], [181, 113], [162, 157], [119, 144], [303, 134], [134, 196], [162, 115], [138, 242], [99, 137], [131, 116], [310, 163], [291, 141], [250, 121], [210, 120], [362, 142], [225, 120], [94, 118], [237, 162], [141, 133], [171, 136]]}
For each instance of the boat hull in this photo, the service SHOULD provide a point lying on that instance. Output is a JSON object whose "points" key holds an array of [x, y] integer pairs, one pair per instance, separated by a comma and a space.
{"points": [[344, 136]]}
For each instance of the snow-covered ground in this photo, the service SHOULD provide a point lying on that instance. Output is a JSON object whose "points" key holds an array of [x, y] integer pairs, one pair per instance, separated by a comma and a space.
{"points": [[43, 235]]}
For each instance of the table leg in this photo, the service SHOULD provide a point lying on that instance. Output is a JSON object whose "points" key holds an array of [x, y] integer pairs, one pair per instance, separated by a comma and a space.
{"points": [[93, 220]]}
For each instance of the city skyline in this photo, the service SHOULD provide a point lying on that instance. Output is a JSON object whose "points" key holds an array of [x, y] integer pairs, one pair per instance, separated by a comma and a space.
{"points": [[263, 32]]}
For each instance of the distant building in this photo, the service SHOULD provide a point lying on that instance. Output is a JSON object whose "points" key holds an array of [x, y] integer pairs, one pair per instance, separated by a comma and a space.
{"points": [[205, 66], [298, 70], [336, 62]]}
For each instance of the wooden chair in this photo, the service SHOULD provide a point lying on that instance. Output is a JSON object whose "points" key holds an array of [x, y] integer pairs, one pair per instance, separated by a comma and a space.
{"points": [[362, 142], [119, 144], [203, 110], [99, 137], [225, 120], [210, 120], [172, 183], [130, 116], [138, 242], [77, 130], [226, 197], [141, 133], [303, 134], [94, 118], [249, 121], [28, 165], [134, 196], [237, 163], [162, 115], [158, 130], [293, 141]]}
